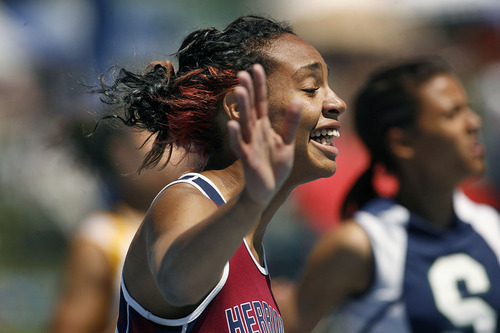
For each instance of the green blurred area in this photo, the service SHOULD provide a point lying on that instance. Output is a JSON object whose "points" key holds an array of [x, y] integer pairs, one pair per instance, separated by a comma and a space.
{"points": [[32, 251]]}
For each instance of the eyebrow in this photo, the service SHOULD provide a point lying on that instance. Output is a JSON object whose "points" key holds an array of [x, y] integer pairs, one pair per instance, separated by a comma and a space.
{"points": [[315, 68]]}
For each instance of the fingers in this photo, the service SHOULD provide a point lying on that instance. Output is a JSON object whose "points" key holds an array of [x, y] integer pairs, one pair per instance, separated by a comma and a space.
{"points": [[252, 99], [253, 105], [260, 88], [256, 88], [235, 137], [246, 82], [292, 121], [247, 116]]}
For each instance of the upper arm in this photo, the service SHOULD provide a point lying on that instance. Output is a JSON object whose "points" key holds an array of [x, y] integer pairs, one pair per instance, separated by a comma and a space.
{"points": [[180, 208], [340, 266], [184, 244]]}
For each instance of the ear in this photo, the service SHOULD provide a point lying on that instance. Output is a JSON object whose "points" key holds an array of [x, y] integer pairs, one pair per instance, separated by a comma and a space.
{"points": [[229, 104], [400, 143]]}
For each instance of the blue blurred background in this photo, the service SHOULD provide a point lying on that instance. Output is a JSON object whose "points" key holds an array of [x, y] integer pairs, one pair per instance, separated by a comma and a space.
{"points": [[49, 47]]}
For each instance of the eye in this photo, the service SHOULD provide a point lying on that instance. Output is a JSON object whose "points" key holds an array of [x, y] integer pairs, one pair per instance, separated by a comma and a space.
{"points": [[311, 91], [455, 111]]}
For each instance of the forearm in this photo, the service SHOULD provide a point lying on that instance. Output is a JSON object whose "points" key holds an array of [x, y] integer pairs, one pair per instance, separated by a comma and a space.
{"points": [[193, 263]]}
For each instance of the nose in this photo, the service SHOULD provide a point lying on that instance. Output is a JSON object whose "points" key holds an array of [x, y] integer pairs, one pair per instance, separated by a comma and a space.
{"points": [[474, 121], [333, 106]]}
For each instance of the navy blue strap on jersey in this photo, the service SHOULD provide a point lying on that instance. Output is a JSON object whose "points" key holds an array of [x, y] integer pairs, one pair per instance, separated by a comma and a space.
{"points": [[207, 187]]}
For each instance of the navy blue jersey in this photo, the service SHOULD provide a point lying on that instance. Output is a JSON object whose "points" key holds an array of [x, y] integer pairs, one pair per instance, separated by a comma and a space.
{"points": [[426, 279]]}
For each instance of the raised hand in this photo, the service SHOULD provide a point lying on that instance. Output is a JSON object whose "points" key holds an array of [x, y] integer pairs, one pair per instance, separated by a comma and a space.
{"points": [[267, 156]]}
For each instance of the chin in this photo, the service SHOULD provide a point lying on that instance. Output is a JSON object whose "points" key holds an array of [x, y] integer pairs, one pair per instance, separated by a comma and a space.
{"points": [[473, 173], [331, 171], [478, 168], [325, 171], [478, 172], [309, 174]]}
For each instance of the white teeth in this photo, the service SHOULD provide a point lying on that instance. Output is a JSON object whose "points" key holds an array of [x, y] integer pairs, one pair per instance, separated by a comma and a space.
{"points": [[325, 136], [325, 132]]}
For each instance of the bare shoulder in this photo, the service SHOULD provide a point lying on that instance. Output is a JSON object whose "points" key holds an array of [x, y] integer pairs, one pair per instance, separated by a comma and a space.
{"points": [[348, 236], [177, 209], [339, 267], [344, 255], [180, 203]]}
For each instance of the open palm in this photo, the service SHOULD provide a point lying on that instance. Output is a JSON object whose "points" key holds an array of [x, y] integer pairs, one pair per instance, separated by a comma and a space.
{"points": [[267, 156]]}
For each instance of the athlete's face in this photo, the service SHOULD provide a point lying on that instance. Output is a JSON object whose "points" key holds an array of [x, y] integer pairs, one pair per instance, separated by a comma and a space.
{"points": [[447, 133], [302, 73]]}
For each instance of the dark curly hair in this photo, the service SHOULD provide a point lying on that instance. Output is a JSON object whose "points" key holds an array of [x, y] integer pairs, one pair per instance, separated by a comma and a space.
{"points": [[180, 108], [388, 99]]}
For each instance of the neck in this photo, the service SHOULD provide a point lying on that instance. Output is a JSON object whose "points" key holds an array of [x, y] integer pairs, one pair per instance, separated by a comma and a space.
{"points": [[228, 180], [256, 236], [430, 200], [275, 204]]}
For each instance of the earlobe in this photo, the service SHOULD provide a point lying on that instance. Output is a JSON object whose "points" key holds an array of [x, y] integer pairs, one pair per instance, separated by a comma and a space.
{"points": [[400, 143], [230, 106]]}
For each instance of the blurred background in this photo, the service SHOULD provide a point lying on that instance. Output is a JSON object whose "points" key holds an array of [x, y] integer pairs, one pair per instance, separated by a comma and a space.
{"points": [[50, 49]]}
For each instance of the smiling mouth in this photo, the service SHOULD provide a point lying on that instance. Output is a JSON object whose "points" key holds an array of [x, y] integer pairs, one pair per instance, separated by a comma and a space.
{"points": [[325, 136]]}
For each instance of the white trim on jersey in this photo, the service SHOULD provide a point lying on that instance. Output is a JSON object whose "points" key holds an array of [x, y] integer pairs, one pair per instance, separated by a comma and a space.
{"points": [[381, 308], [389, 238], [263, 270], [180, 321], [191, 181], [484, 219], [131, 302]]}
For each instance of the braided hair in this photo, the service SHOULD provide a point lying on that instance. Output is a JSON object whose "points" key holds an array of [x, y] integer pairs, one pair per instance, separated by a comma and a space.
{"points": [[181, 107]]}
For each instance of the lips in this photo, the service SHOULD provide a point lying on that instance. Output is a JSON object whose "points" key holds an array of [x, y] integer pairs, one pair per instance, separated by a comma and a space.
{"points": [[477, 149], [325, 136]]}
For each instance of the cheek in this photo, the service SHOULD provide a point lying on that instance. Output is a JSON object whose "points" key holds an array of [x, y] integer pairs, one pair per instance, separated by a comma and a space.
{"points": [[277, 113], [431, 148], [306, 125], [277, 117], [277, 106], [441, 154], [439, 145]]}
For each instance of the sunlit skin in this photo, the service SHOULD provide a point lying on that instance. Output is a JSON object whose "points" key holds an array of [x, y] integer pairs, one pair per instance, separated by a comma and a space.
{"points": [[321, 106], [267, 153]]}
